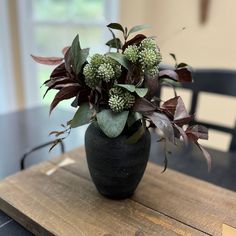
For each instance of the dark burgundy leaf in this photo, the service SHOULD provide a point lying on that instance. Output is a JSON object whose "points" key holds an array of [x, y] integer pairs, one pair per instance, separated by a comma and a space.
{"points": [[182, 133], [48, 60], [184, 74], [171, 74], [176, 110], [135, 40], [59, 71], [143, 105], [152, 84], [196, 132], [59, 80], [63, 94], [162, 122], [180, 111], [81, 97]]}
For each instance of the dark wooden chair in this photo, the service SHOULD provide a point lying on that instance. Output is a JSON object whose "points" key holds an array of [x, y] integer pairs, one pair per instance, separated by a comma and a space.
{"points": [[214, 81]]}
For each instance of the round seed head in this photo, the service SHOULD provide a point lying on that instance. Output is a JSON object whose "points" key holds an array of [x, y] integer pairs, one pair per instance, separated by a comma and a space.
{"points": [[131, 53], [90, 76], [149, 58], [116, 103], [97, 60], [153, 71], [129, 100], [148, 43], [105, 72]]}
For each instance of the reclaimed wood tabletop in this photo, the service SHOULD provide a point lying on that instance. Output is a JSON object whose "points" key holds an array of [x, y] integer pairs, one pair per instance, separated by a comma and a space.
{"points": [[57, 197]]}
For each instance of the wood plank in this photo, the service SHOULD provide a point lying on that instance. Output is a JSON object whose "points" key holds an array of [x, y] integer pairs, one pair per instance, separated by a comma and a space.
{"points": [[65, 203], [191, 201]]}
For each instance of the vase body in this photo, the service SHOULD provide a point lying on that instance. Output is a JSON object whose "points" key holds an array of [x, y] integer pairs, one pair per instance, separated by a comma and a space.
{"points": [[115, 166]]}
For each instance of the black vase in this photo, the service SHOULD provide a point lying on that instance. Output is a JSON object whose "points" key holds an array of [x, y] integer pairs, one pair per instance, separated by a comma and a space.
{"points": [[115, 166]]}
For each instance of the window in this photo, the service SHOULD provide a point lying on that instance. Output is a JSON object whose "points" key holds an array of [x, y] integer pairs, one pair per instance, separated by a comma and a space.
{"points": [[47, 26], [7, 94]]}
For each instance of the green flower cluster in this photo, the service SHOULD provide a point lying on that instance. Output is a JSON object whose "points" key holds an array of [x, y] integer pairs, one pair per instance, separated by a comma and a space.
{"points": [[101, 68], [147, 55], [120, 99]]}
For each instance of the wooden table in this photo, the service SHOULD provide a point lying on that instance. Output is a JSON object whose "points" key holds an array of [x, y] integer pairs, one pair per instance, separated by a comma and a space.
{"points": [[51, 200]]}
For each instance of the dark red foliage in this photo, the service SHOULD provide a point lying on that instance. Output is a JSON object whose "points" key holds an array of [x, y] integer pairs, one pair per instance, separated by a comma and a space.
{"points": [[136, 40]]}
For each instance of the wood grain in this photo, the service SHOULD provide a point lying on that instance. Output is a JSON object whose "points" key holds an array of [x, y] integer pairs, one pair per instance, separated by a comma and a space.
{"points": [[194, 202], [67, 203]]}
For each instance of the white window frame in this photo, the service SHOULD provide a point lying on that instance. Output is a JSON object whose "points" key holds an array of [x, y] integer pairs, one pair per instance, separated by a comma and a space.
{"points": [[7, 81], [27, 47]]}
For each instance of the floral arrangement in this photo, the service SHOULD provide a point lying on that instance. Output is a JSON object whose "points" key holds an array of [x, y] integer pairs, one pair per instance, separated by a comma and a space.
{"points": [[118, 89]]}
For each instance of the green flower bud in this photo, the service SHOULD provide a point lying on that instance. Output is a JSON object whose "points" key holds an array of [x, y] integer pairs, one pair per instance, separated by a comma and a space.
{"points": [[116, 103], [131, 53], [149, 58], [148, 43], [97, 60], [153, 71], [105, 72], [117, 70], [115, 65], [116, 91], [90, 76], [129, 100]]}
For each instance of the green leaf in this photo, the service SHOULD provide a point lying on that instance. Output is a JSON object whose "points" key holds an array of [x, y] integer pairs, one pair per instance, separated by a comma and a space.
{"points": [[114, 43], [133, 117], [129, 87], [136, 135], [111, 123], [120, 58], [182, 64], [166, 80], [138, 28], [81, 59], [75, 46], [116, 26], [175, 59], [141, 91], [78, 55], [82, 116]]}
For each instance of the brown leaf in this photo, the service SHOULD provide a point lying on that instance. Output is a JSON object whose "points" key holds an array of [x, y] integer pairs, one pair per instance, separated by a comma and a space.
{"points": [[59, 80], [196, 132], [135, 40], [55, 142], [57, 84], [184, 74], [171, 74], [143, 105], [182, 133], [152, 84], [59, 71], [48, 60], [176, 110], [162, 122], [63, 94]]}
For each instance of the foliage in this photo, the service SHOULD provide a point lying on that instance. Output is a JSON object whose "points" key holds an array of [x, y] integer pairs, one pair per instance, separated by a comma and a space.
{"points": [[118, 89]]}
